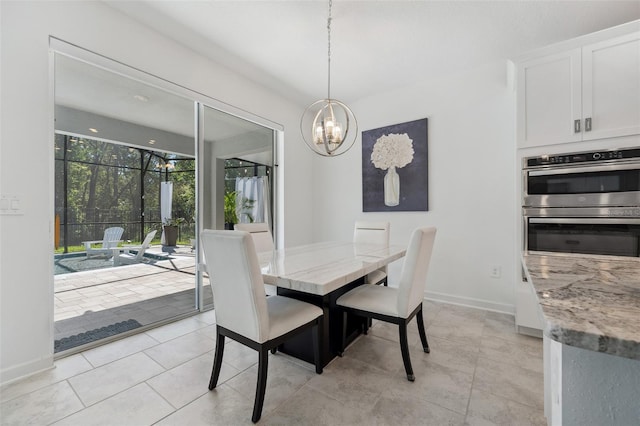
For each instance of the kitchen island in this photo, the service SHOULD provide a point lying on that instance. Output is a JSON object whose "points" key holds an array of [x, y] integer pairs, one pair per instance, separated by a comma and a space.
{"points": [[590, 307]]}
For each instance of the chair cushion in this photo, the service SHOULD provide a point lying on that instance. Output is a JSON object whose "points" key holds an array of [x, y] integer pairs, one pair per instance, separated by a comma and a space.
{"points": [[372, 298], [286, 314]]}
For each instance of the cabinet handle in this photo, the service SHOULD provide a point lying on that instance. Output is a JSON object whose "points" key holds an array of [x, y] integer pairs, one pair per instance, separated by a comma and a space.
{"points": [[576, 126], [587, 124]]}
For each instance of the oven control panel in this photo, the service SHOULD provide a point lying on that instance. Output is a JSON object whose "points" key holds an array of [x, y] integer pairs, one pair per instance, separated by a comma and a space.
{"points": [[583, 157]]}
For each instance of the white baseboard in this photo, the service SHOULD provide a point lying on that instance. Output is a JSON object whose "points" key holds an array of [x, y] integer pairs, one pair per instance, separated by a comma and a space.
{"points": [[20, 371], [486, 305], [533, 332]]}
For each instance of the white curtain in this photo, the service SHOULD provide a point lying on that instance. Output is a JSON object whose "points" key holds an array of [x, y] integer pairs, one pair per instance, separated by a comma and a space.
{"points": [[166, 200], [256, 189]]}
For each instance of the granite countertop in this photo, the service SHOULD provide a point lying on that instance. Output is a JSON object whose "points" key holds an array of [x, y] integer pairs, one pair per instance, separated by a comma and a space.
{"points": [[590, 302]]}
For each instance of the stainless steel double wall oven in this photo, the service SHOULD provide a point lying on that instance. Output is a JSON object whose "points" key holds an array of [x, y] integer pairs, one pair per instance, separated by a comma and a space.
{"points": [[586, 202]]}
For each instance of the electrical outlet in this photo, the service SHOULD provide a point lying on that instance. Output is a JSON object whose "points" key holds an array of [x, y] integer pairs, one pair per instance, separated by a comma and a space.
{"points": [[496, 271]]}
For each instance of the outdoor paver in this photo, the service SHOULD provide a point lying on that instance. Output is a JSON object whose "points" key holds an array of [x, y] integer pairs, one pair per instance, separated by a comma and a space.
{"points": [[148, 293]]}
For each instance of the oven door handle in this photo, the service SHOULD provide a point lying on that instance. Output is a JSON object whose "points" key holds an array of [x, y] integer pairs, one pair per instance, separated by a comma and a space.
{"points": [[585, 221], [593, 169]]}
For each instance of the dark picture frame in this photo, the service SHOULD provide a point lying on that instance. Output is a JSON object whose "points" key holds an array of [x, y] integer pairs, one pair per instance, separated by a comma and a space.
{"points": [[408, 188]]}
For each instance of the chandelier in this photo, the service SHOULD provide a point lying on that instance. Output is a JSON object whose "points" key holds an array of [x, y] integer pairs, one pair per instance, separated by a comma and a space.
{"points": [[328, 126]]}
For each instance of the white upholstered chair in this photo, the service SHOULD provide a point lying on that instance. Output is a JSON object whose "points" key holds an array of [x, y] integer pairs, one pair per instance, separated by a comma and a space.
{"points": [[373, 233], [263, 240], [260, 233], [397, 305], [244, 314]]}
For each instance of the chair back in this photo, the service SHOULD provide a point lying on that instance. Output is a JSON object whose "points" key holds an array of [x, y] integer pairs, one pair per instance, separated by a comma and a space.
{"points": [[112, 237], [371, 232], [260, 233], [145, 244], [414, 271], [236, 281]]}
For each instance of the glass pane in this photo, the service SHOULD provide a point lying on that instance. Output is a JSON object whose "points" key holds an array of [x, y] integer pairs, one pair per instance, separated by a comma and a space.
{"points": [[234, 149], [604, 239], [118, 143], [584, 183]]}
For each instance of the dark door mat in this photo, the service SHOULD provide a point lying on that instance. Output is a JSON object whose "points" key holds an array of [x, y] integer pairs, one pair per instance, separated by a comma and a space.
{"points": [[93, 335]]}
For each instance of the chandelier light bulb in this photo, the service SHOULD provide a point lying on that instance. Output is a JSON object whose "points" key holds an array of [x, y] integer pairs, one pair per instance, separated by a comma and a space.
{"points": [[328, 127]]}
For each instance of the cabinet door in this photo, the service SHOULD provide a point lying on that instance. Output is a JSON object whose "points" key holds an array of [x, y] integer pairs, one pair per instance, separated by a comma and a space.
{"points": [[611, 87], [549, 99]]}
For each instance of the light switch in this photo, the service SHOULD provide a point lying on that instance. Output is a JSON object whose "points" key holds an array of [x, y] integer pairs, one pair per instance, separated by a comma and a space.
{"points": [[10, 205]]}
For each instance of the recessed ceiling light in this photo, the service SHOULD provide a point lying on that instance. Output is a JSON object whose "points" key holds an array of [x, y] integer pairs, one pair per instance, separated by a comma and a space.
{"points": [[141, 98], [152, 141], [93, 130], [73, 140]]}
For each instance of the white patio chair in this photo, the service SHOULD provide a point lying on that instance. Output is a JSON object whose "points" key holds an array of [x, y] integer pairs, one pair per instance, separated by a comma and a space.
{"points": [[112, 236], [130, 258]]}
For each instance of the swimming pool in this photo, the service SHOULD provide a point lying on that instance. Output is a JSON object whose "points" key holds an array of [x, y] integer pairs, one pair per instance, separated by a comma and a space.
{"points": [[76, 262]]}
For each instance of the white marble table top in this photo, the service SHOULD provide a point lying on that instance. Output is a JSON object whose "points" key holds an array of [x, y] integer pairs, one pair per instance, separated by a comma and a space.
{"points": [[321, 268], [590, 302]]}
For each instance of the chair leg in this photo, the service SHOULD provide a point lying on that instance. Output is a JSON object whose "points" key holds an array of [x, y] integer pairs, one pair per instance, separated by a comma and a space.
{"points": [[316, 332], [217, 360], [343, 338], [423, 334], [404, 347], [263, 364]]}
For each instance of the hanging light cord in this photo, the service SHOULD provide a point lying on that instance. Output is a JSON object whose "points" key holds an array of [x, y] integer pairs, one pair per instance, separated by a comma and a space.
{"points": [[329, 53]]}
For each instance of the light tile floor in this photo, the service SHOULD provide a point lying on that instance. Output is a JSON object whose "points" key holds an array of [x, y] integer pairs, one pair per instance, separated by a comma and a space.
{"points": [[479, 372]]}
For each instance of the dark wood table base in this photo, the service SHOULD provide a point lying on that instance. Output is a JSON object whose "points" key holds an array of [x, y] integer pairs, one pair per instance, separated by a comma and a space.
{"points": [[301, 346]]}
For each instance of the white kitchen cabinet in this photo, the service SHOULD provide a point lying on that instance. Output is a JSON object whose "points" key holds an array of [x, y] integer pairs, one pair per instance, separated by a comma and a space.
{"points": [[586, 93], [611, 88]]}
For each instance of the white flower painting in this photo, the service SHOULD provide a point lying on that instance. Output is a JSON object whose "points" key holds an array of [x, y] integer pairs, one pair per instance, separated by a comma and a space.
{"points": [[390, 155], [392, 150]]}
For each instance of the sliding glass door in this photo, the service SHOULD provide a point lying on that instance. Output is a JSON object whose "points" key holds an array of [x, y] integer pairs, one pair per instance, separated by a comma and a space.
{"points": [[125, 204], [141, 167], [235, 180]]}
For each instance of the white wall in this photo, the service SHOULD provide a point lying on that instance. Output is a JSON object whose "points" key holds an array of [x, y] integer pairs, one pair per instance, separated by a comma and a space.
{"points": [[471, 130], [471, 165], [26, 149]]}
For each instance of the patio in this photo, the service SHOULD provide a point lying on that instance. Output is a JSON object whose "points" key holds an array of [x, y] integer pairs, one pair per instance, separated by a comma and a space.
{"points": [[145, 292]]}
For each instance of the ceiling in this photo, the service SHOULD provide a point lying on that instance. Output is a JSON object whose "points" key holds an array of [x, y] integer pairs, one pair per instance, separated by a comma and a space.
{"points": [[97, 103], [376, 46]]}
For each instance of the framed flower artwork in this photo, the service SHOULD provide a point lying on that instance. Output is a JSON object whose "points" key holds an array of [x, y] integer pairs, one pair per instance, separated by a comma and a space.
{"points": [[395, 168]]}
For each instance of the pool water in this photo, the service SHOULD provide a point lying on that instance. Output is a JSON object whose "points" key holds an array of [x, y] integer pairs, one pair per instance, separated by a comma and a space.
{"points": [[76, 262]]}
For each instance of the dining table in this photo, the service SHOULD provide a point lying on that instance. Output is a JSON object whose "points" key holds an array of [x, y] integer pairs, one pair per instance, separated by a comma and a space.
{"points": [[319, 274]]}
